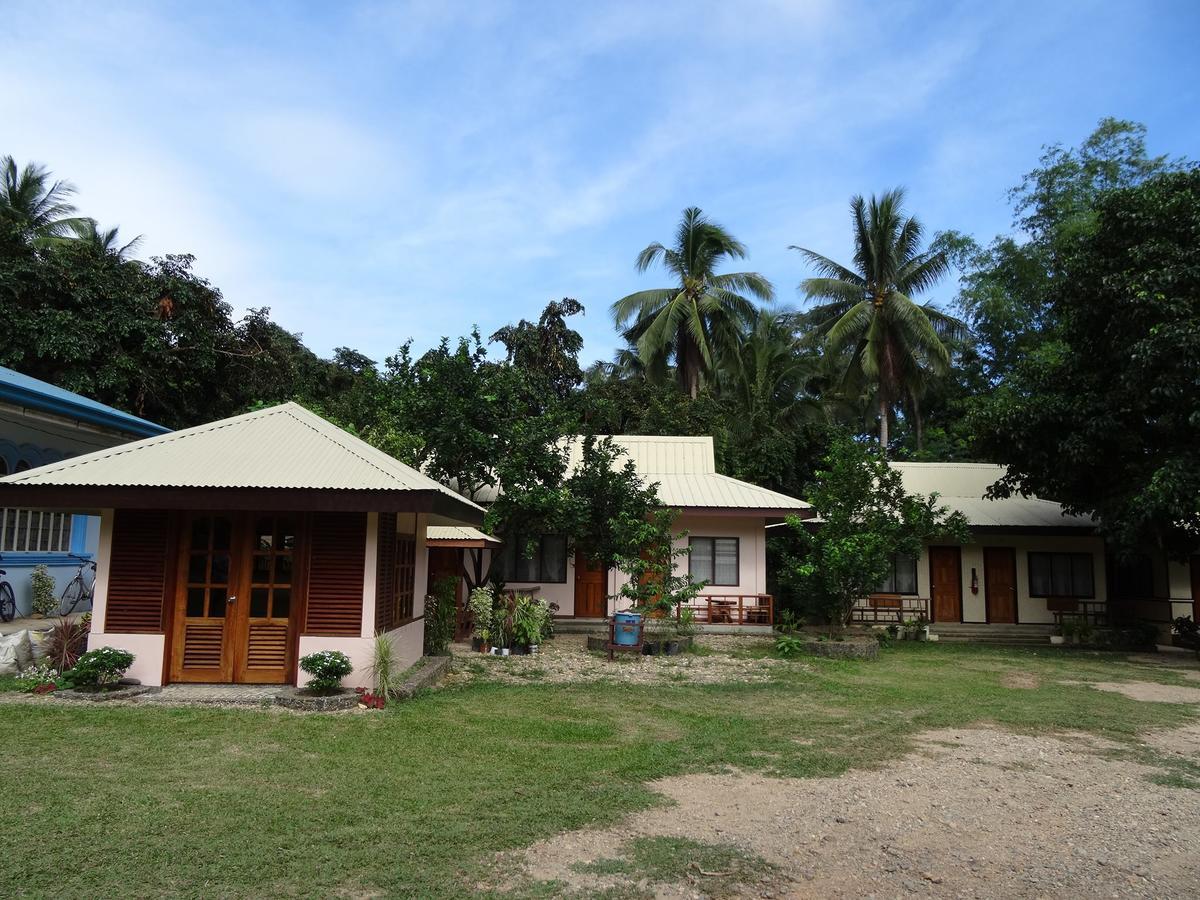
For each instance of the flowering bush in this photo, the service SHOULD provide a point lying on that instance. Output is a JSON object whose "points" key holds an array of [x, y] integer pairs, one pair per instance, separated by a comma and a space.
{"points": [[327, 668], [36, 676], [99, 668]]}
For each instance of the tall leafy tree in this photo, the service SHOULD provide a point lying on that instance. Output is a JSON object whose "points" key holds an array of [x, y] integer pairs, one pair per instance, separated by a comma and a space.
{"points": [[889, 342], [548, 349], [1104, 415], [105, 241], [37, 206], [693, 321]]}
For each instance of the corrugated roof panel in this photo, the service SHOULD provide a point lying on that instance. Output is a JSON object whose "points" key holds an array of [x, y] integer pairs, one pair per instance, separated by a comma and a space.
{"points": [[459, 533], [281, 447]]}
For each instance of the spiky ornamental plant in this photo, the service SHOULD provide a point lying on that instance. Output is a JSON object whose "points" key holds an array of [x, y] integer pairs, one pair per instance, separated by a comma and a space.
{"points": [[887, 343], [699, 317]]}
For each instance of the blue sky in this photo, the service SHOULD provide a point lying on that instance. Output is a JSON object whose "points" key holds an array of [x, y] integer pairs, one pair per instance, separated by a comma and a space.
{"points": [[380, 171]]}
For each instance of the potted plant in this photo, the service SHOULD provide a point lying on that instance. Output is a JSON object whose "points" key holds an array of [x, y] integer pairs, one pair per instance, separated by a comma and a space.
{"points": [[1070, 630], [922, 624], [480, 602], [910, 629], [893, 631], [41, 584], [1057, 638]]}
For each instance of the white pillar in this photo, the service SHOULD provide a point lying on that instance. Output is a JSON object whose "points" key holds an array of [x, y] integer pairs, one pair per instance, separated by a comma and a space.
{"points": [[370, 569], [103, 564]]}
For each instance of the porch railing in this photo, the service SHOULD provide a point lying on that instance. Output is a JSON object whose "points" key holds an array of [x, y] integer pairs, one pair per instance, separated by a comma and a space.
{"points": [[1091, 612], [889, 608], [733, 609]]}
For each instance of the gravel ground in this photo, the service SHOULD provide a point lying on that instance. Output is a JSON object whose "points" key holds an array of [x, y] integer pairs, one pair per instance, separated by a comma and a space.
{"points": [[974, 813], [566, 659]]}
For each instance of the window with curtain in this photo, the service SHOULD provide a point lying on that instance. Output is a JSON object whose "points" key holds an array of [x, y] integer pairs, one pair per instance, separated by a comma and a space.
{"points": [[34, 531], [901, 577], [540, 559], [713, 560], [1061, 575]]}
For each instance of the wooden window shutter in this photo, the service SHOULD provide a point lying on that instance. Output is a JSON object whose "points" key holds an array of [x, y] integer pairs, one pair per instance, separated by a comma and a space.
{"points": [[137, 572], [385, 574], [337, 556]]}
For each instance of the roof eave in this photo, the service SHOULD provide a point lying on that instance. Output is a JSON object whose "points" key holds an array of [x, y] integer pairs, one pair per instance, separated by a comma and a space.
{"points": [[116, 420], [90, 498]]}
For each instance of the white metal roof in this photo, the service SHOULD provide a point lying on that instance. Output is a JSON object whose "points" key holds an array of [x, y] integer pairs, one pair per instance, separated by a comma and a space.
{"points": [[686, 472], [962, 486], [282, 446], [457, 533]]}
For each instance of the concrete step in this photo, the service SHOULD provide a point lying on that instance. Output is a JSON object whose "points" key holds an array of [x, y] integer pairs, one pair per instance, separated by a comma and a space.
{"points": [[982, 633]]}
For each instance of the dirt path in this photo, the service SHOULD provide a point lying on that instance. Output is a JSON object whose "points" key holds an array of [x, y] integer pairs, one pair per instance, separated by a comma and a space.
{"points": [[971, 813]]}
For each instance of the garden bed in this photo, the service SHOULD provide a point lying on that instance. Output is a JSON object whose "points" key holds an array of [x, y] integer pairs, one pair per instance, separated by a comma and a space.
{"points": [[851, 648], [120, 692], [301, 699], [649, 648]]}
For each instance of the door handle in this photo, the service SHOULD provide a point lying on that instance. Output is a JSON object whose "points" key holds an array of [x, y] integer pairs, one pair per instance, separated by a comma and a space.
{"points": [[233, 600]]}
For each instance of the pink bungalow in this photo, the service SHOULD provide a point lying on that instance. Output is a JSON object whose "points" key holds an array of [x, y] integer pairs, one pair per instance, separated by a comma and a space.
{"points": [[230, 550], [724, 520]]}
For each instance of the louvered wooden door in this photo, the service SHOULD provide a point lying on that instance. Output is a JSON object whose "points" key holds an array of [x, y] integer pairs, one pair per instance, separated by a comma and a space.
{"points": [[262, 620], [235, 603], [208, 572]]}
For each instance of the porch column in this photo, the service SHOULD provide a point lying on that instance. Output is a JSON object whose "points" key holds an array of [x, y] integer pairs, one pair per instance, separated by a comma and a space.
{"points": [[103, 564], [370, 574]]}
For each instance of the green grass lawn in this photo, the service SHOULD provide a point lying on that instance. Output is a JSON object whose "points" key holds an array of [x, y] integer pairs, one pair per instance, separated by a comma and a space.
{"points": [[417, 800]]}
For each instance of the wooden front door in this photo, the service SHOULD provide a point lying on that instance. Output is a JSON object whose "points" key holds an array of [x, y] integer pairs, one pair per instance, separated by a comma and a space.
{"points": [[945, 584], [1000, 584], [589, 588], [234, 610]]}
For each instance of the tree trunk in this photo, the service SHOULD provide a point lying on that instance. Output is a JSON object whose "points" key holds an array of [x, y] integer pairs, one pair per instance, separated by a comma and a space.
{"points": [[919, 424], [687, 359], [883, 424]]}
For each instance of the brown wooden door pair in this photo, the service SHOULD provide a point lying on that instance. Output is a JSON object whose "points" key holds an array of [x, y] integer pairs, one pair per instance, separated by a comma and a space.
{"points": [[1000, 585], [236, 598], [945, 584], [589, 588]]}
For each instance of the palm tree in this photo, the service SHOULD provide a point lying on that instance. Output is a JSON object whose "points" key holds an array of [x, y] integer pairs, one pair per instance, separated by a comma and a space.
{"points": [[41, 209], [103, 241], [884, 340], [701, 316], [771, 377]]}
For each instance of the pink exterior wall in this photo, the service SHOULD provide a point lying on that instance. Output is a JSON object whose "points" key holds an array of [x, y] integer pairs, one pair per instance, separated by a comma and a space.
{"points": [[149, 650], [752, 562]]}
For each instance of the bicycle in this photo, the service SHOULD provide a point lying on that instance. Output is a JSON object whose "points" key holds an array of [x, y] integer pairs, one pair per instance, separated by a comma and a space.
{"points": [[8, 600], [78, 589]]}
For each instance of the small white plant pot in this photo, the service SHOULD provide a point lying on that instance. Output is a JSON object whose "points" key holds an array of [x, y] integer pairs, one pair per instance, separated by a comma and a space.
{"points": [[1057, 640], [933, 637], [495, 651], [533, 649], [505, 652]]}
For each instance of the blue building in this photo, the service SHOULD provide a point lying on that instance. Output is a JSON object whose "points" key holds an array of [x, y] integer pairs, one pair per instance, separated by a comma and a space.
{"points": [[39, 424]]}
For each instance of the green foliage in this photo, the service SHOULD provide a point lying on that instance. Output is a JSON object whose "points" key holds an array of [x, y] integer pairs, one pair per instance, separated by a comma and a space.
{"points": [[547, 353], [98, 668], [866, 517], [441, 611], [789, 645], [606, 504], [531, 620], [1105, 417], [883, 342], [382, 670], [698, 317], [42, 588], [36, 676], [482, 601], [655, 581], [327, 668]]}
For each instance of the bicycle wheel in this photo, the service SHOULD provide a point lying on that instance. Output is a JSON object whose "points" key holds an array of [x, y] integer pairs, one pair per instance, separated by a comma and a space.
{"points": [[72, 594], [8, 603]]}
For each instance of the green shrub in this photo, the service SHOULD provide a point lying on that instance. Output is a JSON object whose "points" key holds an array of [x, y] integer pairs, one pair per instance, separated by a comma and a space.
{"points": [[481, 602], [441, 610], [327, 668], [787, 646], [42, 584], [99, 668], [383, 663], [36, 676]]}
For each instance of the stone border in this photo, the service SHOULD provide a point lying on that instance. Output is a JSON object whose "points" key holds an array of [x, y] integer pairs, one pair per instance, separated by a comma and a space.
{"points": [[125, 692], [600, 645], [291, 697], [428, 670], [842, 649]]}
